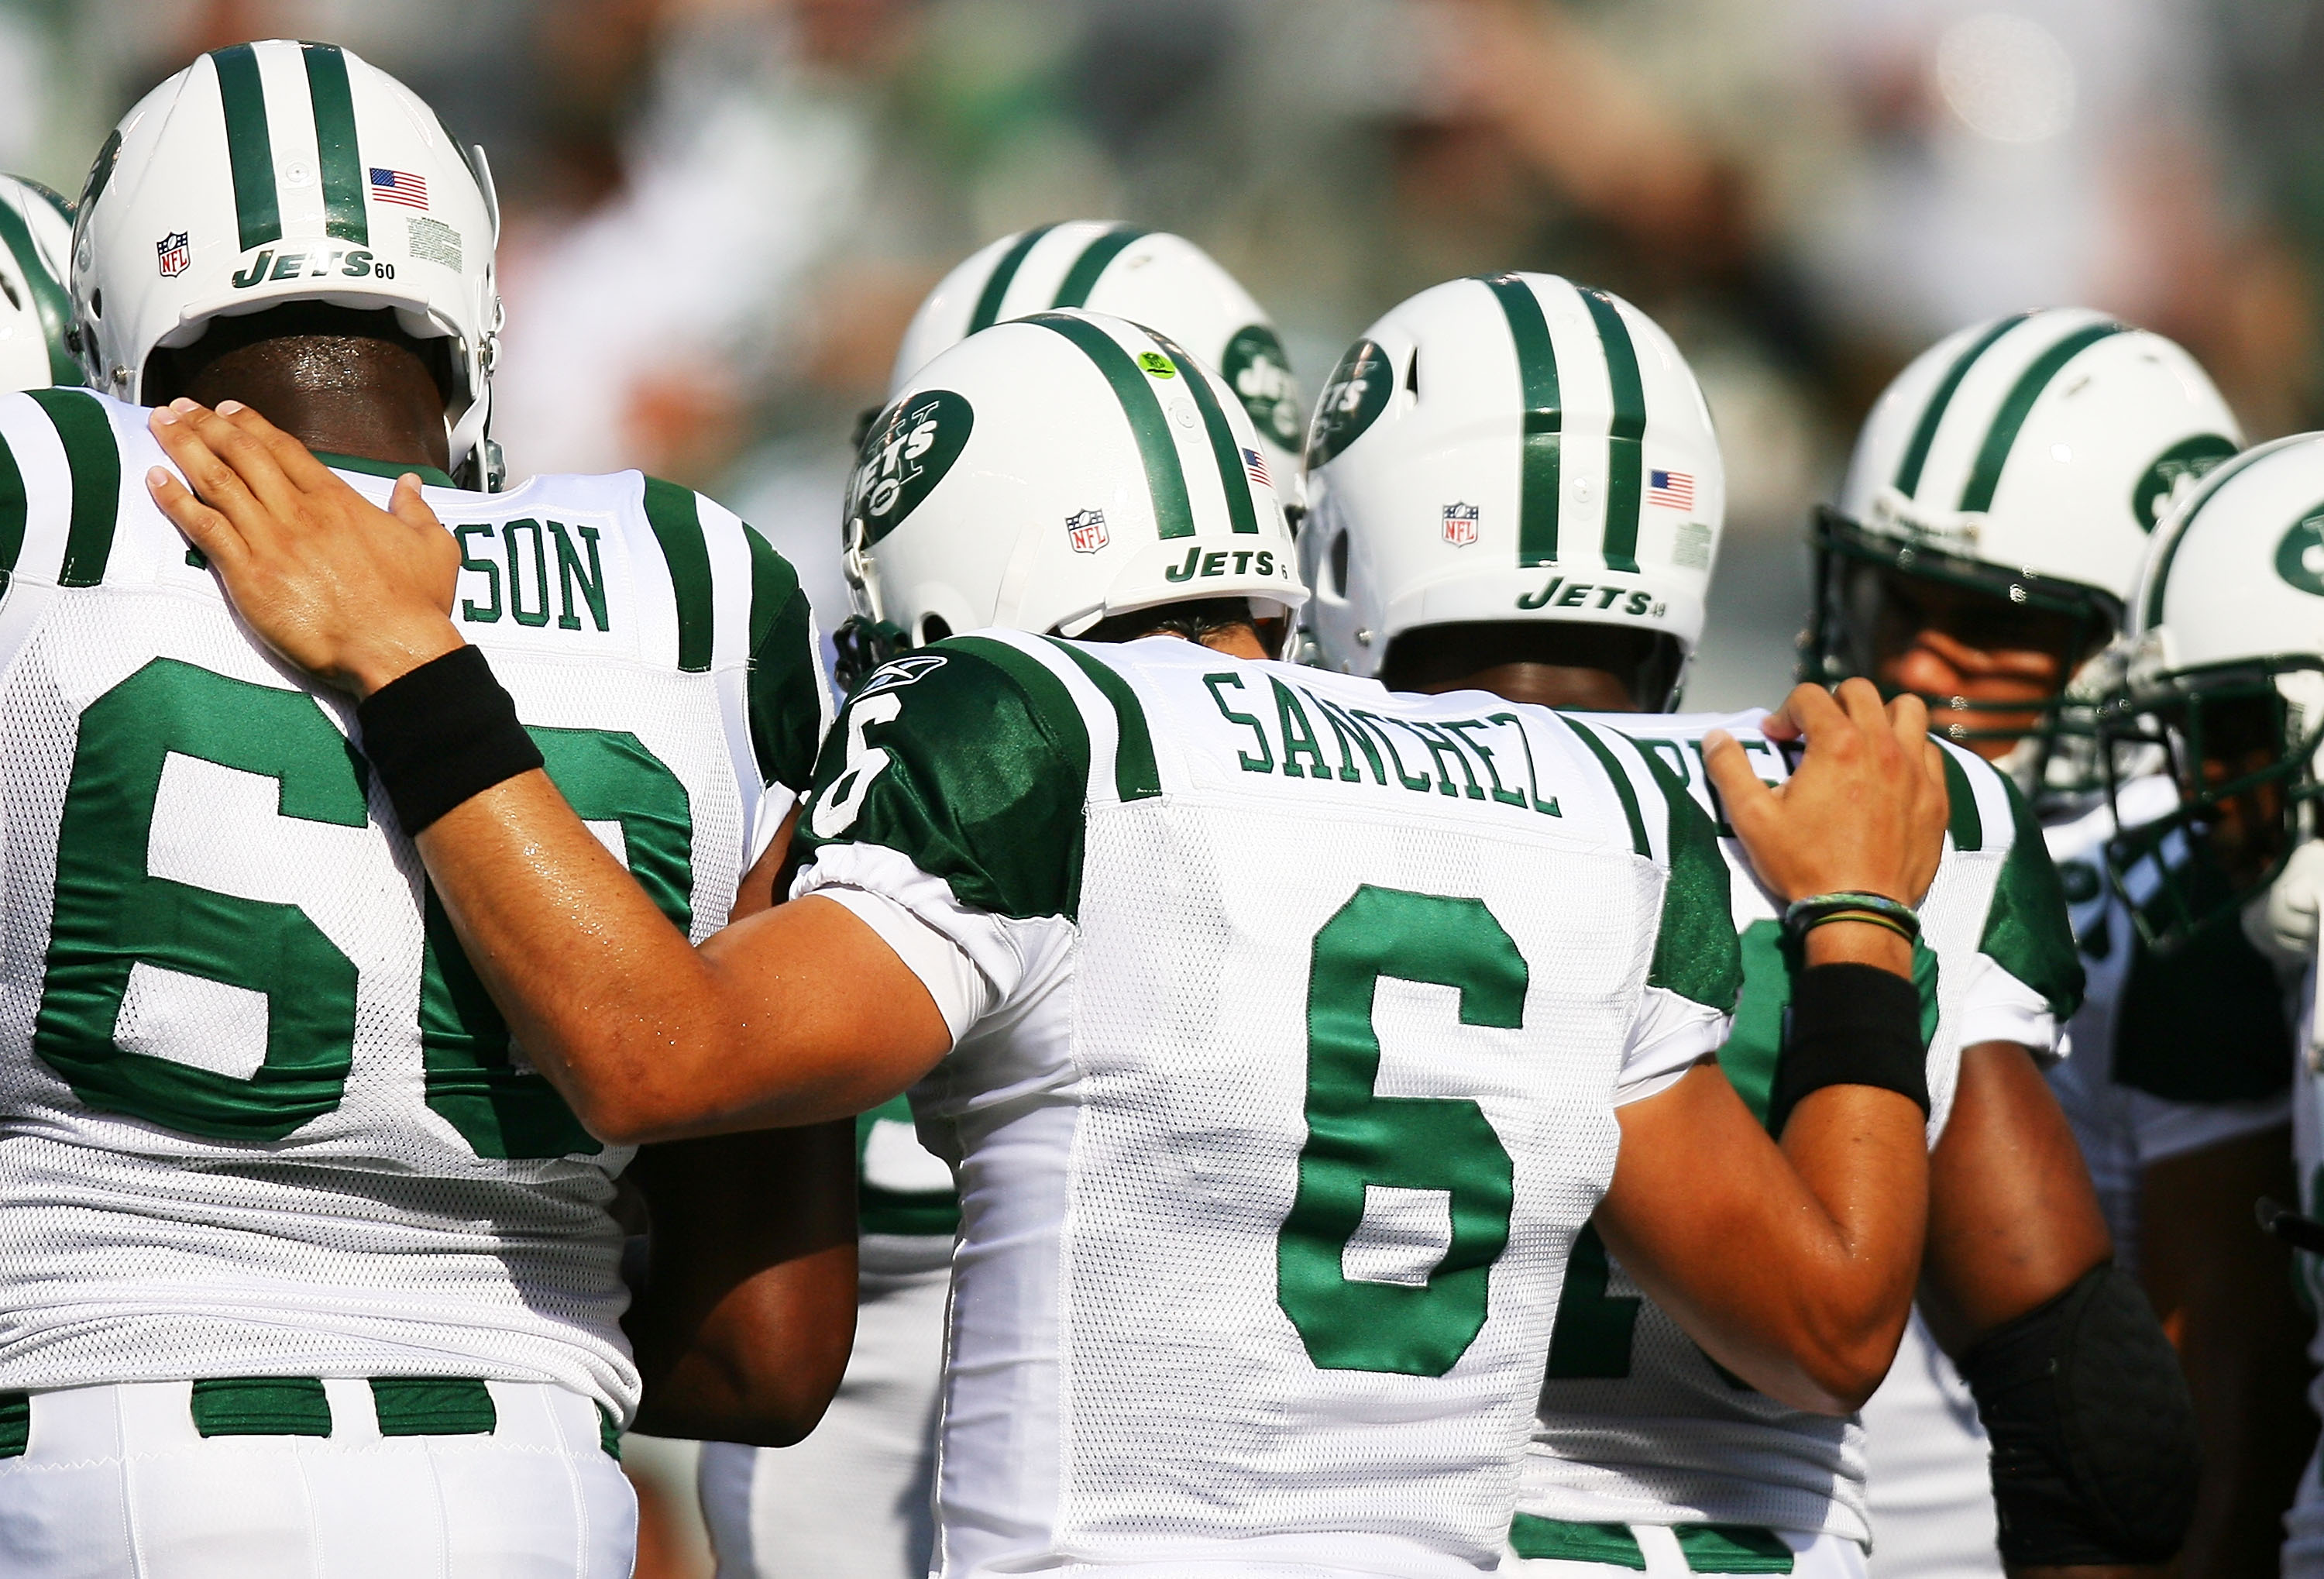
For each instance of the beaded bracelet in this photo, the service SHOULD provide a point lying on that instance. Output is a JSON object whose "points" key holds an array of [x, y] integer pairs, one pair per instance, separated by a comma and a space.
{"points": [[1802, 916]]}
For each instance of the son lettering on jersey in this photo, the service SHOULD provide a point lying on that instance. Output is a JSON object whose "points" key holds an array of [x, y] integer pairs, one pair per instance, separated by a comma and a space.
{"points": [[1290, 728], [561, 574]]}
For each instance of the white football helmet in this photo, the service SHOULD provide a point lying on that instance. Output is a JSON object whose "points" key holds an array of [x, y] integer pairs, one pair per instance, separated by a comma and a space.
{"points": [[279, 172], [2224, 665], [1051, 472], [2028, 459], [1511, 447], [35, 313], [1149, 277]]}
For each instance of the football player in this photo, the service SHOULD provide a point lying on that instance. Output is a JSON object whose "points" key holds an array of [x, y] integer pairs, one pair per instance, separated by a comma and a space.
{"points": [[303, 1270], [2002, 498], [854, 1500], [1543, 526], [1284, 1029], [35, 316], [2224, 693]]}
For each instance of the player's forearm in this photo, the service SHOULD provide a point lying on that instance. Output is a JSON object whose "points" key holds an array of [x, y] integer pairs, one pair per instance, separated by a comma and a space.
{"points": [[1793, 1268], [2013, 1219], [608, 998]]}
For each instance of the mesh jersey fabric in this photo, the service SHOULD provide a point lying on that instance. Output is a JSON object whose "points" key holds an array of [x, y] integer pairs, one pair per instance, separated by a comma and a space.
{"points": [[257, 1116], [1638, 1426], [1224, 908]]}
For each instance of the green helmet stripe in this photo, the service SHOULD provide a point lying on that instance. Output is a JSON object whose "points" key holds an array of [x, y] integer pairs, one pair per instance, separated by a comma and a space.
{"points": [[249, 146], [1082, 278], [1003, 275], [2011, 418], [1543, 419], [93, 460], [2205, 491], [1916, 454], [1626, 450], [1240, 512], [344, 215], [1166, 478], [49, 304]]}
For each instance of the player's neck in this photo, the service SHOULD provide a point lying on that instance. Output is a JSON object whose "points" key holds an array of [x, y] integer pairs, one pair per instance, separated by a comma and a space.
{"points": [[341, 396], [1547, 685]]}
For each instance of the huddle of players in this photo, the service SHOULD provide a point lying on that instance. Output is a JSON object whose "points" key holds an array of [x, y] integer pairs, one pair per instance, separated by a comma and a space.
{"points": [[1260, 1234]]}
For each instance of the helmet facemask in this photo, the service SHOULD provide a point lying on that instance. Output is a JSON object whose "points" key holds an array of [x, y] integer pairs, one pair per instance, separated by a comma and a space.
{"points": [[2239, 742], [1878, 595]]}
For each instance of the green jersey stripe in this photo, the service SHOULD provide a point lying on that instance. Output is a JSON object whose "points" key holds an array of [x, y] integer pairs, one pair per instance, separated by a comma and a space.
{"points": [[12, 511], [1082, 278], [1924, 434], [2205, 493], [1964, 821], [1135, 775], [249, 146], [94, 460], [1626, 450], [2011, 418], [677, 521], [1537, 478], [1052, 702], [1003, 275], [344, 214], [1696, 954], [50, 303], [1242, 515], [1630, 797], [1166, 477]]}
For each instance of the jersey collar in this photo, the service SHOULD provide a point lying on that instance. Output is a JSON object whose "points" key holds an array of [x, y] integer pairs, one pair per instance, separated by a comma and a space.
{"points": [[385, 468]]}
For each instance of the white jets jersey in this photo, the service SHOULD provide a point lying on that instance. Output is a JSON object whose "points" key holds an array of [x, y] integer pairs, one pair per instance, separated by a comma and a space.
{"points": [[1290, 1020], [1639, 1425], [257, 1115]]}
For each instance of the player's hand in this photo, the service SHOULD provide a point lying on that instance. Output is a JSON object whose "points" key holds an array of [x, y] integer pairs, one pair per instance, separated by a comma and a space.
{"points": [[353, 594], [1865, 813]]}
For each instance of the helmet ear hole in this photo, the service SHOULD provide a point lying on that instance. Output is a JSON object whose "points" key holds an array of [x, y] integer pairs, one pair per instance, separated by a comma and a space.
{"points": [[934, 628], [97, 302], [1339, 565]]}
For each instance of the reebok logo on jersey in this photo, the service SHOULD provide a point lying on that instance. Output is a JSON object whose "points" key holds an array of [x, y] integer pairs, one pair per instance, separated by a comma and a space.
{"points": [[900, 673]]}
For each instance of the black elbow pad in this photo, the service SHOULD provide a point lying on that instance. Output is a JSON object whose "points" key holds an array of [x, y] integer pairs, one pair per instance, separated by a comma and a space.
{"points": [[2094, 1456]]}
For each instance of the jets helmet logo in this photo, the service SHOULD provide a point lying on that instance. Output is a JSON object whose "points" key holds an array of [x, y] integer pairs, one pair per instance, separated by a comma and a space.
{"points": [[2169, 476], [1085, 531], [176, 254], [906, 453], [2299, 556]]}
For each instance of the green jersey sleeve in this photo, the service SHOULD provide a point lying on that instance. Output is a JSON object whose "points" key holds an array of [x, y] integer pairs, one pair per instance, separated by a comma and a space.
{"points": [[2027, 931], [789, 702], [1696, 953], [969, 758]]}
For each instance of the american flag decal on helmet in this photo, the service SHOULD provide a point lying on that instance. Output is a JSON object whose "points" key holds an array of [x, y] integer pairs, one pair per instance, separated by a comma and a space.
{"points": [[399, 186], [1257, 466], [1671, 490]]}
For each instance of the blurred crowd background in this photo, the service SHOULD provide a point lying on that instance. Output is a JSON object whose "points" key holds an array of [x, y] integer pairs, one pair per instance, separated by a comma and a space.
{"points": [[721, 213]]}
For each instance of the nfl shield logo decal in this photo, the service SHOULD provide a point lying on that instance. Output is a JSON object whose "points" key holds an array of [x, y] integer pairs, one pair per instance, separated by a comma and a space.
{"points": [[175, 254], [1086, 532], [1460, 524]]}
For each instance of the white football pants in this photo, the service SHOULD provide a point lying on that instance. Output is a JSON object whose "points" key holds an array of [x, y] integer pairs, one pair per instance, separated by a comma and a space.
{"points": [[1813, 1557], [116, 1481], [855, 1499], [1930, 1483]]}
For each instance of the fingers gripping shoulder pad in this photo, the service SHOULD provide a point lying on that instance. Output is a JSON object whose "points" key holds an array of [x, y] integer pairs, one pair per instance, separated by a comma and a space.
{"points": [[2094, 1457]]}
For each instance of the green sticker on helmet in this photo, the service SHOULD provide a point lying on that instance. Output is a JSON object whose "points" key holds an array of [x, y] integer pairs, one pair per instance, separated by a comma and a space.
{"points": [[1259, 374], [2299, 556], [909, 450], [1356, 395], [2172, 472]]}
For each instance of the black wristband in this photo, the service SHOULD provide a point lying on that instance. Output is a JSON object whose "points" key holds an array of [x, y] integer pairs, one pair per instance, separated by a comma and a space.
{"points": [[441, 734], [1849, 1025]]}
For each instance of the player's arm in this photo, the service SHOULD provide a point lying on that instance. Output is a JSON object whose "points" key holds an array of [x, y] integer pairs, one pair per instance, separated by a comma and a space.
{"points": [[798, 1015], [747, 1316], [1794, 1267]]}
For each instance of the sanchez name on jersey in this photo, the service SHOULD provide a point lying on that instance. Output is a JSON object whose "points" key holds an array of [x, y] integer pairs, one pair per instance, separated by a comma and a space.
{"points": [[1290, 1018], [257, 1115]]}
